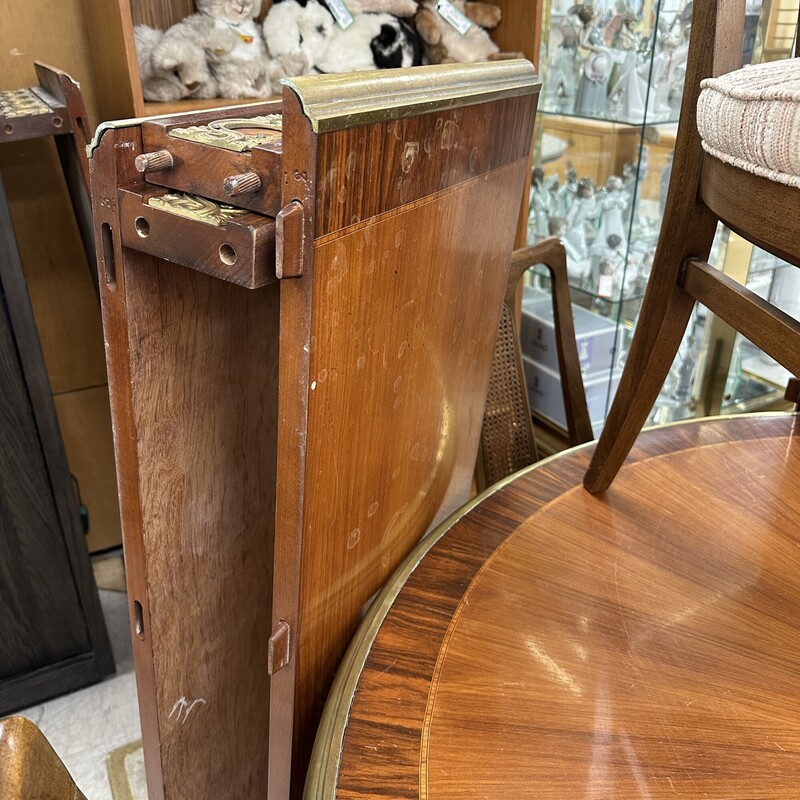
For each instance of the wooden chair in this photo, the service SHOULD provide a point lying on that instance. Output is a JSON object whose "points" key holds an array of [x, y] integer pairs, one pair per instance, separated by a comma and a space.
{"points": [[29, 767], [733, 185], [507, 438]]}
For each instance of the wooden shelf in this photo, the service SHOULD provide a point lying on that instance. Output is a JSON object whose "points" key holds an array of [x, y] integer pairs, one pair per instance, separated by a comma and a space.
{"points": [[110, 26], [181, 106]]}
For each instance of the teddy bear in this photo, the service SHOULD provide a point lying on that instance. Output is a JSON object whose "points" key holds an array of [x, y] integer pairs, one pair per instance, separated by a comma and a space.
{"points": [[303, 38], [373, 41], [182, 73], [227, 33], [444, 43], [297, 33]]}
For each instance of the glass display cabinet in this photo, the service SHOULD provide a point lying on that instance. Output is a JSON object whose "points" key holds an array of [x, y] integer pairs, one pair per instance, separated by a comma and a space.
{"points": [[613, 77]]}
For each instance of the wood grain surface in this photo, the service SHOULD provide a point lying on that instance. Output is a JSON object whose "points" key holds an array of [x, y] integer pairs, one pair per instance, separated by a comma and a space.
{"points": [[423, 377], [29, 767], [753, 209], [557, 644], [371, 169], [191, 412], [414, 228]]}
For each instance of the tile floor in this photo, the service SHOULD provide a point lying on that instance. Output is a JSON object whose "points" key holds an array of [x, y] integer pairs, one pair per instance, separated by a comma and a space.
{"points": [[85, 726]]}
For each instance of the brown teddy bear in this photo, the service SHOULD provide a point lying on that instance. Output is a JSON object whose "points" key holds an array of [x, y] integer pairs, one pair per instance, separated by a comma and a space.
{"points": [[445, 43]]}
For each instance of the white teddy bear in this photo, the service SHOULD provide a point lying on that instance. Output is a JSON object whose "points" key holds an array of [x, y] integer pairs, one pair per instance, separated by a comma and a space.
{"points": [[226, 33]]}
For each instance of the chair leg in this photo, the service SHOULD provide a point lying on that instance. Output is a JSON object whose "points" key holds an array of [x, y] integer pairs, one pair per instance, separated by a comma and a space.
{"points": [[644, 374]]}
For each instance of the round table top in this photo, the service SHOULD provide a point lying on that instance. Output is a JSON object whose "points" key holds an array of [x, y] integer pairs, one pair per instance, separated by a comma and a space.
{"points": [[549, 643]]}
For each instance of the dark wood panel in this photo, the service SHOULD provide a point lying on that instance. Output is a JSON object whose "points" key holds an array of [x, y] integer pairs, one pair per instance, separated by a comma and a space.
{"points": [[40, 618], [50, 606], [56, 679]]}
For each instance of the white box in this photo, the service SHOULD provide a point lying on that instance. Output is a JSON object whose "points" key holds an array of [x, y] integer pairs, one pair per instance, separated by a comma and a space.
{"points": [[595, 335], [544, 392]]}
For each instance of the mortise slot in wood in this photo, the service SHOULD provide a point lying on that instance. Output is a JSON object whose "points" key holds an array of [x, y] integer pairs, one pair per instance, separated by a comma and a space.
{"points": [[138, 619], [109, 262]]}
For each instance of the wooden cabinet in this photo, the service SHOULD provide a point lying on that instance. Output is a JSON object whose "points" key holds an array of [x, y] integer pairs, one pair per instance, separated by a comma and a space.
{"points": [[52, 635], [297, 385]]}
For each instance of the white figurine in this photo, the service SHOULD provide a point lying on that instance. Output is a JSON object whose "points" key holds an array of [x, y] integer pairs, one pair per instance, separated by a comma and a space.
{"points": [[580, 219], [565, 65], [579, 267], [614, 202], [590, 99], [540, 205], [566, 193], [608, 265], [665, 45]]}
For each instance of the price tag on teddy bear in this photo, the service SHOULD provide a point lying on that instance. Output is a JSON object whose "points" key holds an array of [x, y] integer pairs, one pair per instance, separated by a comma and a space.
{"points": [[452, 15], [341, 13]]}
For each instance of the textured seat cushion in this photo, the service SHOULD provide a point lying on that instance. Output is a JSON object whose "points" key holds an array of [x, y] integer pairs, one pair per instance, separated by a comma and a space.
{"points": [[751, 118]]}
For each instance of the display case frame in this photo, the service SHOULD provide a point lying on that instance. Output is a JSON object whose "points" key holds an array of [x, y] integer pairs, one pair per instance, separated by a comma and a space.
{"points": [[639, 150]]}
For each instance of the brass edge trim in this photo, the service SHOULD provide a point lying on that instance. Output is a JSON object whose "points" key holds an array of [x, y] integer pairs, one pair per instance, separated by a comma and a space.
{"points": [[323, 771], [324, 767], [337, 101], [133, 121]]}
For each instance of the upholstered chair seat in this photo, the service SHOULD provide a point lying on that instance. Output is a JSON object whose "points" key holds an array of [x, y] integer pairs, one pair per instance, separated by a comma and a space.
{"points": [[750, 118]]}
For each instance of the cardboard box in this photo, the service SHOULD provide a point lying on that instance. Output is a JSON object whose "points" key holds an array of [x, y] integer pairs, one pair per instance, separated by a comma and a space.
{"points": [[595, 335], [544, 393]]}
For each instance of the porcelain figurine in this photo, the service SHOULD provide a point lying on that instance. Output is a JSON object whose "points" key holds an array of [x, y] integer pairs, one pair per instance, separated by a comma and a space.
{"points": [[590, 99], [578, 266], [565, 196], [665, 46], [580, 219], [565, 66], [540, 205], [613, 202]]}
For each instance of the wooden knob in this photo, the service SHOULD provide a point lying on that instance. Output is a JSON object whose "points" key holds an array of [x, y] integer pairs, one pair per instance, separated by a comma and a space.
{"points": [[154, 162], [246, 183]]}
